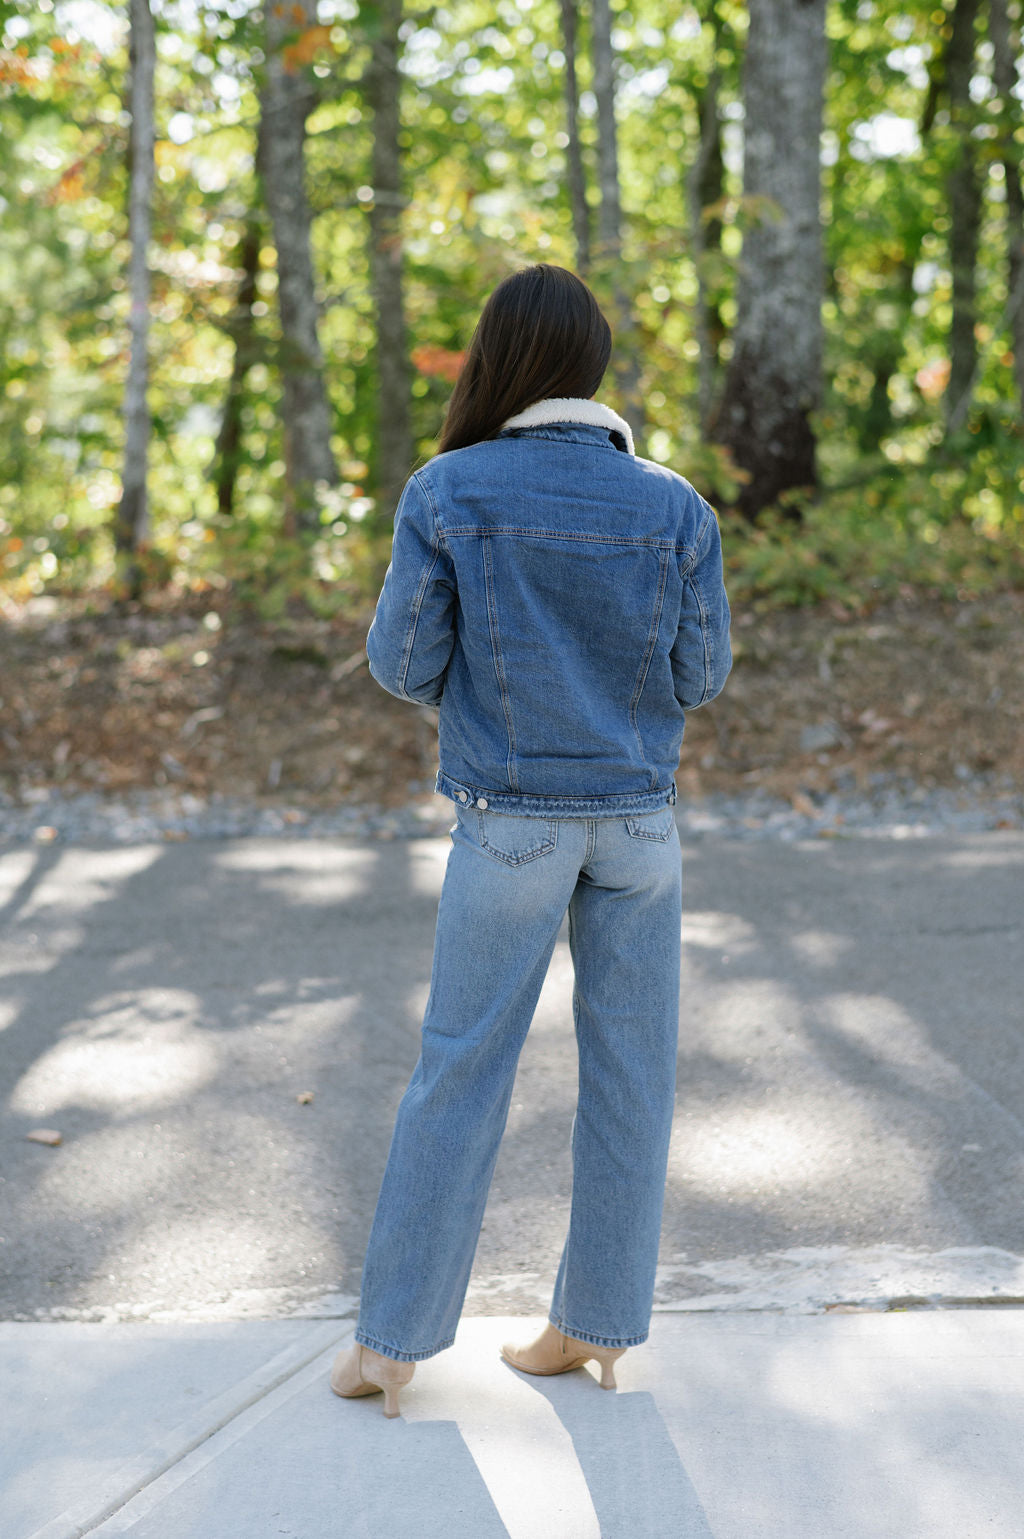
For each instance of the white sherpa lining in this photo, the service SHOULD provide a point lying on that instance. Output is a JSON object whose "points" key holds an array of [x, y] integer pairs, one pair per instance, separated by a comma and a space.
{"points": [[572, 409]]}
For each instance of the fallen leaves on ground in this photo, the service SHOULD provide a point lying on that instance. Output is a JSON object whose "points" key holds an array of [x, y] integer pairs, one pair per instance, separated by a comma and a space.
{"points": [[287, 712]]}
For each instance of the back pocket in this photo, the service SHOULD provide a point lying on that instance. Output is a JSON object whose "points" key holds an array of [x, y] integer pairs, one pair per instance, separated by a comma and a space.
{"points": [[651, 825], [515, 840]]}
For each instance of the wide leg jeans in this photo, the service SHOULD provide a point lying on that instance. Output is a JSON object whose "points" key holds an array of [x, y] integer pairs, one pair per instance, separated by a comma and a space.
{"points": [[507, 886]]}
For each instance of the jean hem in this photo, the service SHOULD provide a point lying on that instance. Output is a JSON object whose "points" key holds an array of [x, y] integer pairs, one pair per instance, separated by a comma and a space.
{"points": [[598, 1341], [385, 1348]]}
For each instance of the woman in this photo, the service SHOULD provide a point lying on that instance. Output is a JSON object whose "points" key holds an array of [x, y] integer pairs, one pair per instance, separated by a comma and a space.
{"points": [[562, 602]]}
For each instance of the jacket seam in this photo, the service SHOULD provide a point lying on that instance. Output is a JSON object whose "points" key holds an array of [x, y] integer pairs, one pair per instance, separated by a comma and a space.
{"points": [[693, 553], [499, 665], [652, 636], [585, 535], [414, 617], [417, 603], [702, 610], [439, 534]]}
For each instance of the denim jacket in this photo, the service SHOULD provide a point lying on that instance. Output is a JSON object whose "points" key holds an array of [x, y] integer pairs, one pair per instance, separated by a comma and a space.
{"points": [[561, 600]]}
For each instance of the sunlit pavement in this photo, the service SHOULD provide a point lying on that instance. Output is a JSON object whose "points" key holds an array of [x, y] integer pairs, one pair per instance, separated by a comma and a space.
{"points": [[221, 1030], [738, 1426]]}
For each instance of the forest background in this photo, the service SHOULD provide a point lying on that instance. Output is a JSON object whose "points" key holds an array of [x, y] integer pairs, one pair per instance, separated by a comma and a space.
{"points": [[242, 250]]}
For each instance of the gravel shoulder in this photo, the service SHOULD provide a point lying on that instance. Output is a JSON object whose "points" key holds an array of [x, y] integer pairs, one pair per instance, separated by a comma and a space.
{"points": [[890, 809]]}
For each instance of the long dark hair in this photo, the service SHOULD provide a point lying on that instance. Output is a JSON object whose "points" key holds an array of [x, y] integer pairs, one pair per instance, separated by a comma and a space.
{"points": [[541, 334]]}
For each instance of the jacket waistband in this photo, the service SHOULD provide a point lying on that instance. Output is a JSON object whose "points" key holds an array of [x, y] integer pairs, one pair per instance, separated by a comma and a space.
{"points": [[522, 804]]}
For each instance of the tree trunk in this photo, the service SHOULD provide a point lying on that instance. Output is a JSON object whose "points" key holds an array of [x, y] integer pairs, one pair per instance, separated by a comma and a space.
{"points": [[1006, 50], [965, 218], [705, 188], [242, 329], [395, 450], [625, 358], [286, 100], [773, 382], [609, 214], [575, 174], [132, 521]]}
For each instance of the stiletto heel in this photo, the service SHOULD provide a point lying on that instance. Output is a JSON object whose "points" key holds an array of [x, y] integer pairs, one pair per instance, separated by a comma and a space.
{"points": [[606, 1357], [361, 1371], [554, 1353]]}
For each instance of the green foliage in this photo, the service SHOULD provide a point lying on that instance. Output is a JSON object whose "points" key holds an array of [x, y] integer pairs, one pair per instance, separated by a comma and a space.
{"points": [[953, 526], [485, 177]]}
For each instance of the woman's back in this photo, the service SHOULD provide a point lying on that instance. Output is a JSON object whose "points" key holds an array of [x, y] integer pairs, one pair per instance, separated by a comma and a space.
{"points": [[589, 612]]}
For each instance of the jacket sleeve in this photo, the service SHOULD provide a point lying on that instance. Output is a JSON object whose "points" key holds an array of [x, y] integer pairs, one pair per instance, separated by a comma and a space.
{"points": [[702, 655], [410, 641]]}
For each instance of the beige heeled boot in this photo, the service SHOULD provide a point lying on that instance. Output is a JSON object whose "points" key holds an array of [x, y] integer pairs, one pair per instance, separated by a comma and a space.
{"points": [[362, 1372], [554, 1353]]}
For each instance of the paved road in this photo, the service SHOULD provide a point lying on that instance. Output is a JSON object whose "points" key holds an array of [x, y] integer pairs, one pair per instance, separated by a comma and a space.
{"points": [[850, 1117]]}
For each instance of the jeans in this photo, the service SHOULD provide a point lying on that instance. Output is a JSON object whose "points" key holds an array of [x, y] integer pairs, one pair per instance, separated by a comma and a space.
{"points": [[508, 882]]}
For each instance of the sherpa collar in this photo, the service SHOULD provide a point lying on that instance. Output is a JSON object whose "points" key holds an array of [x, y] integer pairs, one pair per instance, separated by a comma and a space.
{"points": [[572, 409]]}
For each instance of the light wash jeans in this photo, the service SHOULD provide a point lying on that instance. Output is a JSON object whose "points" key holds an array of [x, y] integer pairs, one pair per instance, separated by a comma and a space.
{"points": [[508, 882]]}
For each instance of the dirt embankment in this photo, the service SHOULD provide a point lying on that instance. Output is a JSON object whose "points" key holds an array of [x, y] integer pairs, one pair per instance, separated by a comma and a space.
{"points": [[817, 700]]}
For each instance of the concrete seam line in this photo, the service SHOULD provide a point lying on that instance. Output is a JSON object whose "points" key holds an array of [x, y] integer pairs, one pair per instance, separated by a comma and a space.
{"points": [[151, 1496], [897, 1304], [132, 1477]]}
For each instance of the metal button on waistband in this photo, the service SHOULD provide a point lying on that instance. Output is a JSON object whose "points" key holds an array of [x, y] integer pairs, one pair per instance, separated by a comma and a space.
{"points": [[481, 802], [463, 796]]}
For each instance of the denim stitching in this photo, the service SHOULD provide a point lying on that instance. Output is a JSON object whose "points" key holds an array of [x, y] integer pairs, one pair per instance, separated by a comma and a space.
{"points": [[424, 487], [587, 535], [439, 533], [499, 666], [414, 616], [652, 637], [436, 545], [636, 832], [692, 552], [385, 1349], [570, 1330], [534, 804], [702, 609], [508, 856]]}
